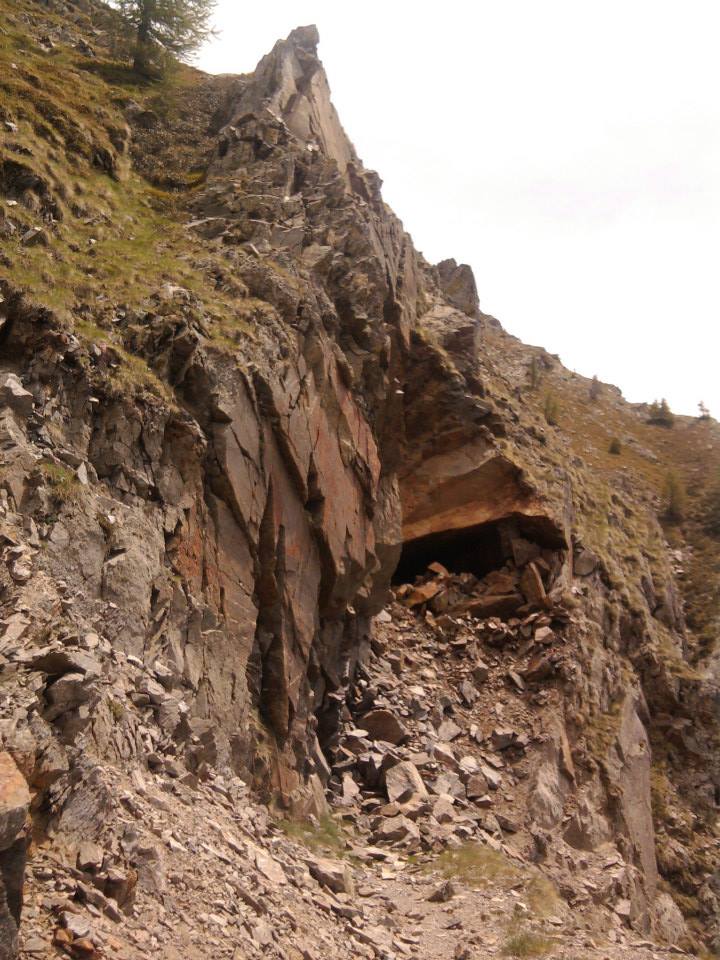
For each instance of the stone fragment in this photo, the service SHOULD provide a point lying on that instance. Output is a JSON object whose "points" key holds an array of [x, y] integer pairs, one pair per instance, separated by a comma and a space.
{"points": [[443, 753], [64, 660], [503, 737], [494, 779], [468, 692], [68, 693], [443, 809], [333, 874], [516, 680], [383, 724], [349, 789], [477, 786], [508, 824], [539, 668], [269, 867], [90, 857], [35, 945], [403, 782], [532, 586], [76, 924], [15, 396], [448, 730], [152, 689], [395, 829], [544, 635], [480, 672], [623, 908], [443, 892], [422, 593], [584, 563], [449, 783], [35, 236]]}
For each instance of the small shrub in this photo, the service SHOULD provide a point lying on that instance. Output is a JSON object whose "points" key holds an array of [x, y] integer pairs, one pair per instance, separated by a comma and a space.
{"points": [[62, 480], [117, 710], [325, 836], [674, 498], [615, 447], [526, 944], [711, 511], [534, 374], [542, 896], [551, 409]]}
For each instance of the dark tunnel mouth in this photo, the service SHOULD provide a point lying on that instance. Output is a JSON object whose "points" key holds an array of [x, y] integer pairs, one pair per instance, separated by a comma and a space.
{"points": [[478, 549]]}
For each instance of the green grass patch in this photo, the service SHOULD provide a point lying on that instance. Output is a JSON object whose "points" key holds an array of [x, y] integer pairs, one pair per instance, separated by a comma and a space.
{"points": [[327, 836], [526, 944], [65, 485], [476, 865], [542, 896]]}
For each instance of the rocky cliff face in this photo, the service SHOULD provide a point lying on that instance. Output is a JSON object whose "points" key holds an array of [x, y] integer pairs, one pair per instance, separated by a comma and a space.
{"points": [[213, 469]]}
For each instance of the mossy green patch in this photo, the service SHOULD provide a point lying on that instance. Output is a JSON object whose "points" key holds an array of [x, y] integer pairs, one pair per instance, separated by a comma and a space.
{"points": [[325, 836]]}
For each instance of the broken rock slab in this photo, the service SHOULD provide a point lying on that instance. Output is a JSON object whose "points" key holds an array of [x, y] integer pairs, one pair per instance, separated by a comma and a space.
{"points": [[384, 725], [403, 782], [394, 829], [15, 396], [332, 874]]}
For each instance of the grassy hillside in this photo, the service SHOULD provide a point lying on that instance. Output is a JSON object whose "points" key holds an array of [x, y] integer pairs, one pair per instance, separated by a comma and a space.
{"points": [[91, 213]]}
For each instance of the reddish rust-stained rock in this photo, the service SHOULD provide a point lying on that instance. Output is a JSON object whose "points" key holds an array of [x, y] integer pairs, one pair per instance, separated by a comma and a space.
{"points": [[14, 806]]}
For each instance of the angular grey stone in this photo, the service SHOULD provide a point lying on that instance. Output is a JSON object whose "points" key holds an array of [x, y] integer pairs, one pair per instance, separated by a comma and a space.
{"points": [[403, 782], [15, 396]]}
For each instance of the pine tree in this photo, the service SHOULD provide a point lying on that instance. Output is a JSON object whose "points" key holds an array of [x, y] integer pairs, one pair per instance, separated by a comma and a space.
{"points": [[174, 27], [661, 414], [704, 413]]}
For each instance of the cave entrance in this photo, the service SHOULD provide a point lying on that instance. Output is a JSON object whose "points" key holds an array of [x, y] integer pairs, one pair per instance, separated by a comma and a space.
{"points": [[479, 549], [476, 550]]}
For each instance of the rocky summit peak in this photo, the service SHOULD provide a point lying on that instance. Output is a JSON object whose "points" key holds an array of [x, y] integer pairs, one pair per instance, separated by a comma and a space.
{"points": [[334, 622], [305, 38]]}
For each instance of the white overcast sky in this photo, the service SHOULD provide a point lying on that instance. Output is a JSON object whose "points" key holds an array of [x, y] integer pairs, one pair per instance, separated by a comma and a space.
{"points": [[568, 150]]}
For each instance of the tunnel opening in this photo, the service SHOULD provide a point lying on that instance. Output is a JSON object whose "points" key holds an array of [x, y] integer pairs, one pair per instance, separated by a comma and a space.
{"points": [[479, 549]]}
